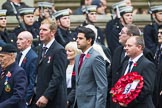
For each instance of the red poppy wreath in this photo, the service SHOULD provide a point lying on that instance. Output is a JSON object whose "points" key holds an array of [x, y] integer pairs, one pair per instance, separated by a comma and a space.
{"points": [[127, 88]]}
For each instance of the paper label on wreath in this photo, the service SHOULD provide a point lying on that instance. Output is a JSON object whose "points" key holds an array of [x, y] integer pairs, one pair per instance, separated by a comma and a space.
{"points": [[131, 86]]}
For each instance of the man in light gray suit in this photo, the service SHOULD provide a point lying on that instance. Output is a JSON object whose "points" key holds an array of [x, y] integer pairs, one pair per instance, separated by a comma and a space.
{"points": [[91, 77]]}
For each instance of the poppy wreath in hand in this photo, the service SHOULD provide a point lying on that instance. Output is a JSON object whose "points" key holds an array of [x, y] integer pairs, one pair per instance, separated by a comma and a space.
{"points": [[127, 88]]}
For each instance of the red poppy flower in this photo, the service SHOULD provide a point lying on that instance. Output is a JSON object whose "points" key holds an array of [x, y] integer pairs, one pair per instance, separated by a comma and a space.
{"points": [[24, 60], [73, 73], [87, 55], [135, 64]]}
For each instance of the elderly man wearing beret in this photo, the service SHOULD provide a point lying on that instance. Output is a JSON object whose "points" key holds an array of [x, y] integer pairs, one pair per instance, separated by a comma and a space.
{"points": [[13, 80]]}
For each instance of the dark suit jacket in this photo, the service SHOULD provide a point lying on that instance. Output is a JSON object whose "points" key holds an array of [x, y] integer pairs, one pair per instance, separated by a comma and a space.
{"points": [[8, 37], [115, 65], [112, 30], [51, 78], [158, 87], [147, 69], [65, 36], [91, 81], [18, 83], [117, 61], [151, 36], [29, 65]]}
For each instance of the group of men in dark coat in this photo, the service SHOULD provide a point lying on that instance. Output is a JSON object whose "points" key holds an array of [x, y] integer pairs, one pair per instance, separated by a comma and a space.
{"points": [[121, 55]]}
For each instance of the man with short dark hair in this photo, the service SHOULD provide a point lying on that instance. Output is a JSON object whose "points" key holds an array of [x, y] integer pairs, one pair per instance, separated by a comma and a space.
{"points": [[91, 77]]}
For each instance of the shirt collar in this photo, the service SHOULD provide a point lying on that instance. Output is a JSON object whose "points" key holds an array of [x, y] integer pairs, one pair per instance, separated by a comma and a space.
{"points": [[49, 43], [26, 51], [18, 4], [136, 58], [86, 52]]}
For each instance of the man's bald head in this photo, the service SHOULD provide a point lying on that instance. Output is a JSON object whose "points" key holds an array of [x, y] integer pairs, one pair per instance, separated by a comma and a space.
{"points": [[27, 35], [24, 40]]}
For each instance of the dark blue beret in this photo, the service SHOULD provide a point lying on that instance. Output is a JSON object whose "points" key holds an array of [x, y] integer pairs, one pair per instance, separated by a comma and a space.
{"points": [[8, 48]]}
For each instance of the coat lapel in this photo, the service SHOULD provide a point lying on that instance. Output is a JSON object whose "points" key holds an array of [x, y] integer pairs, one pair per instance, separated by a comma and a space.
{"points": [[124, 67], [135, 67], [84, 63], [41, 59], [25, 59]]}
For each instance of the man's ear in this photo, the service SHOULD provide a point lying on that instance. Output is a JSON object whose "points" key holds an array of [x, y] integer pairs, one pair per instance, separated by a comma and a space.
{"points": [[53, 32], [139, 47], [22, 18], [58, 22], [89, 40], [153, 15]]}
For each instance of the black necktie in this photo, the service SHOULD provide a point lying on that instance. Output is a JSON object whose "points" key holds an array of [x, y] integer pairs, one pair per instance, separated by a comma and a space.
{"points": [[129, 66], [158, 55], [44, 49], [19, 57]]}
